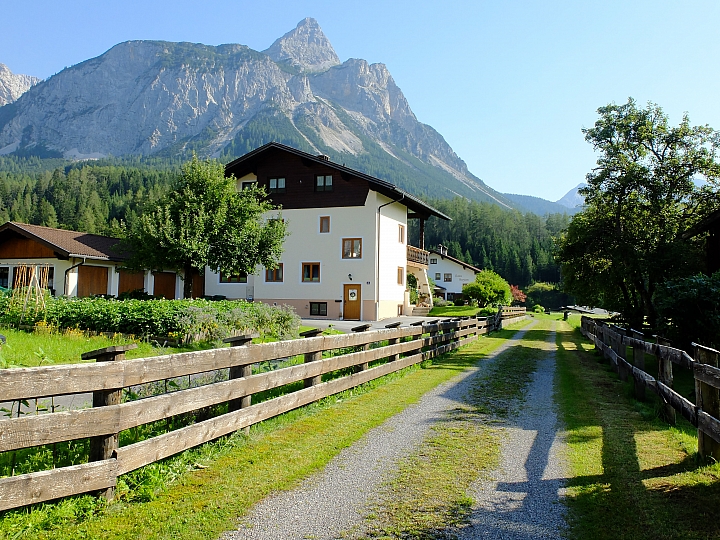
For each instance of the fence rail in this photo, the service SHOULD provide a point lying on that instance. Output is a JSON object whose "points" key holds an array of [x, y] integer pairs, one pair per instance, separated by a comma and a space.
{"points": [[390, 350], [703, 414]]}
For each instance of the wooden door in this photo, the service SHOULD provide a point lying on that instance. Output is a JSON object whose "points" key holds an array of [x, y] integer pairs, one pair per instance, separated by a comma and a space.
{"points": [[164, 285], [130, 281], [92, 280], [352, 300]]}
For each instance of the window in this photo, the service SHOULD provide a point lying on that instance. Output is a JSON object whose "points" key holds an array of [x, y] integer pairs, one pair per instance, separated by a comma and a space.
{"points": [[233, 278], [401, 275], [276, 185], [433, 260], [447, 277], [401, 234], [274, 274], [318, 308], [352, 248], [248, 184], [323, 183], [324, 224], [311, 272], [437, 276], [5, 277]]}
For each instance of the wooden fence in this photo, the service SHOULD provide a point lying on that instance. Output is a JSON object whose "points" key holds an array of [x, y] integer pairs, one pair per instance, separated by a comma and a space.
{"points": [[388, 350], [703, 414]]}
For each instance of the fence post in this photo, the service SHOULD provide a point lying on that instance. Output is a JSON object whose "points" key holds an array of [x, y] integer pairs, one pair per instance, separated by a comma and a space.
{"points": [[312, 357], [237, 372], [419, 336], [393, 341], [365, 347], [707, 399], [621, 351], [638, 362], [665, 376], [103, 447]]}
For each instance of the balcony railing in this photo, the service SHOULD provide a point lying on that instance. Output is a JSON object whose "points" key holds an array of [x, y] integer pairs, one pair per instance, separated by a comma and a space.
{"points": [[417, 255]]}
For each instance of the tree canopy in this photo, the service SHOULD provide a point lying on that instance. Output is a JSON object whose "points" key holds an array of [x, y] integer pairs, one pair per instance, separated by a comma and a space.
{"points": [[204, 221], [488, 289], [652, 182]]}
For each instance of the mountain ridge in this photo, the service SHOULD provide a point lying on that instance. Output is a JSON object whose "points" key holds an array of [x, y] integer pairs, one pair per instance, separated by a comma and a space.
{"points": [[157, 98]]}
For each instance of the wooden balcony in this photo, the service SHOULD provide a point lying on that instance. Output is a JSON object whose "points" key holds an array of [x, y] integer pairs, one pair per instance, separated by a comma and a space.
{"points": [[418, 257]]}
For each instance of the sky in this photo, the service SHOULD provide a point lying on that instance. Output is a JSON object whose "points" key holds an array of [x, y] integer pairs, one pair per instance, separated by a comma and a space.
{"points": [[509, 84]]}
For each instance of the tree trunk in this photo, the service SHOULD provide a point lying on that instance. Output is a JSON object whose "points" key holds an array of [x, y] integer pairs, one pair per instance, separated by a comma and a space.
{"points": [[187, 280]]}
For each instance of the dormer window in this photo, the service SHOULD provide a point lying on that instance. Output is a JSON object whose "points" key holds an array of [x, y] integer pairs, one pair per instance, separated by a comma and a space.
{"points": [[323, 183], [276, 185]]}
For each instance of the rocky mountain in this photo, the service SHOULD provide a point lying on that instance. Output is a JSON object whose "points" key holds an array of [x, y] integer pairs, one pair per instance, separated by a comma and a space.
{"points": [[12, 86], [541, 207], [156, 98], [573, 199]]}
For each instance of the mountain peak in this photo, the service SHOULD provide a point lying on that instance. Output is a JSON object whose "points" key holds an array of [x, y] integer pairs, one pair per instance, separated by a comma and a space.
{"points": [[12, 86], [305, 47]]}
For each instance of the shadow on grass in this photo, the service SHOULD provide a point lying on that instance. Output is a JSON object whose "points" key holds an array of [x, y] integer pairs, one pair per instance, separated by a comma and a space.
{"points": [[675, 498]]}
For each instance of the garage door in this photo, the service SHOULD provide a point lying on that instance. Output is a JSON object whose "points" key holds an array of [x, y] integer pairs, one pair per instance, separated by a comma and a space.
{"points": [[92, 280]]}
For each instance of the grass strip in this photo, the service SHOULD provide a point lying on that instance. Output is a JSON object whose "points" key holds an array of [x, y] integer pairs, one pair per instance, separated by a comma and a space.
{"points": [[428, 498], [632, 475], [234, 473]]}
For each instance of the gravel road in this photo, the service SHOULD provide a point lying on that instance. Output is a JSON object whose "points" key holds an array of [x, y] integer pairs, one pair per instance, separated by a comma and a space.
{"points": [[523, 499], [333, 503]]}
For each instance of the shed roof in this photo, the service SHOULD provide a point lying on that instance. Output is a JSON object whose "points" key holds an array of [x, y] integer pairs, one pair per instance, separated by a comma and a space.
{"points": [[66, 244]]}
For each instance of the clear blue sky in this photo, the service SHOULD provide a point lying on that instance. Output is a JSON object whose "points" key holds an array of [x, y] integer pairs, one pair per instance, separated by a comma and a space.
{"points": [[509, 84]]}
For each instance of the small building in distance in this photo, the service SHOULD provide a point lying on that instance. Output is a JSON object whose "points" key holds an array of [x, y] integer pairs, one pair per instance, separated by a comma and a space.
{"points": [[449, 273], [74, 263], [348, 254]]}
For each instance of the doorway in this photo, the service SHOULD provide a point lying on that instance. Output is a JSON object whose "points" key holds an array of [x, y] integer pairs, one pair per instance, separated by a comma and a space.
{"points": [[352, 300]]}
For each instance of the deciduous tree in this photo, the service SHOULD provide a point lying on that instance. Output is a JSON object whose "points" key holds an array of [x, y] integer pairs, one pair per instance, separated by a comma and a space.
{"points": [[488, 289], [204, 221], [651, 183]]}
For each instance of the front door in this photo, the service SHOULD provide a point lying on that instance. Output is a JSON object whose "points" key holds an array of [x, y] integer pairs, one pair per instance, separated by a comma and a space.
{"points": [[351, 302]]}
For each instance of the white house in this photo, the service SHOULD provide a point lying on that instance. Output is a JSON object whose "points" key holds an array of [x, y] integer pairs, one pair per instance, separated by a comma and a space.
{"points": [[449, 273], [347, 255]]}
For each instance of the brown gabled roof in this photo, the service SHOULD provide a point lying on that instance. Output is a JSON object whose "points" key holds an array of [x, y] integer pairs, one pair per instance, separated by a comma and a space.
{"points": [[458, 261], [376, 184], [67, 243]]}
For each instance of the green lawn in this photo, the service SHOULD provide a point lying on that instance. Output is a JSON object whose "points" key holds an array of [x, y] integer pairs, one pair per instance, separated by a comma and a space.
{"points": [[461, 311], [632, 475]]}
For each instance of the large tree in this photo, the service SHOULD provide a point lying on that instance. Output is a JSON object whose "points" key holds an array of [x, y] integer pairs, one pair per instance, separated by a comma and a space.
{"points": [[204, 221], [652, 182]]}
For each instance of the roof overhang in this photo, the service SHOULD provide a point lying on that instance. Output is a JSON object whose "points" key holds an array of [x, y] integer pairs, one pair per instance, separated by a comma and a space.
{"points": [[420, 209]]}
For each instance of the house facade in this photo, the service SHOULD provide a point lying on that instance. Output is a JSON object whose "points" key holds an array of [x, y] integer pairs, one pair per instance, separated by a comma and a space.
{"points": [[449, 273], [73, 263], [347, 255]]}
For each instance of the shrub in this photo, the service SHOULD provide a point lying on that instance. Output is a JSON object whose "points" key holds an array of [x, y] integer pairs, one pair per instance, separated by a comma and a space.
{"points": [[459, 301], [538, 309], [191, 319], [440, 302]]}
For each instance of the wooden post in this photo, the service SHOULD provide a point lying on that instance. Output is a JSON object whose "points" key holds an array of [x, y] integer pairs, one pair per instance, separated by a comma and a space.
{"points": [[312, 357], [665, 376], [103, 447], [393, 341], [707, 399], [638, 362], [414, 338], [365, 347], [237, 372], [621, 351]]}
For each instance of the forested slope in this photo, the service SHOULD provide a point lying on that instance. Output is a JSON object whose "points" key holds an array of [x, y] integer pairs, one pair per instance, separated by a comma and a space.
{"points": [[518, 246]]}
